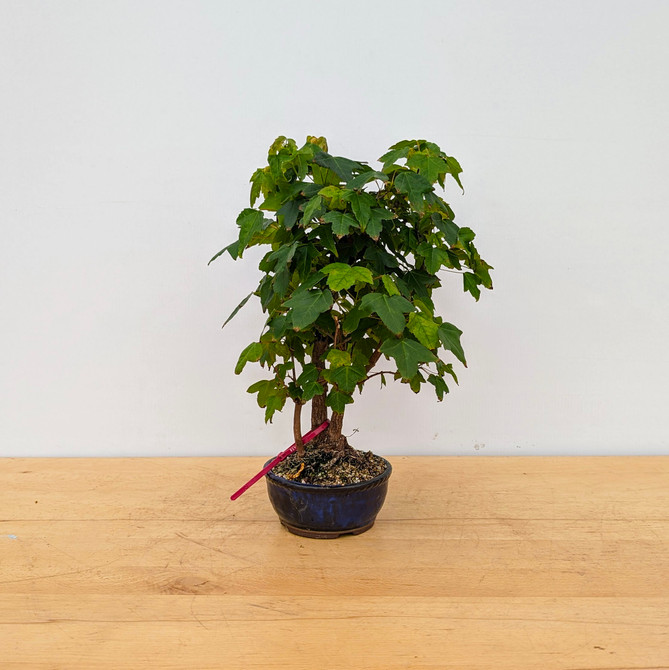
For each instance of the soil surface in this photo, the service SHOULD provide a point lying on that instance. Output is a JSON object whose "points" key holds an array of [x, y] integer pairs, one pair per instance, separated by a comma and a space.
{"points": [[330, 467]]}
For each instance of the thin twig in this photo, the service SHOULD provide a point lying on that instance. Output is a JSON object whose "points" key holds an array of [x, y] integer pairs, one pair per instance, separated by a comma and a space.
{"points": [[384, 372]]}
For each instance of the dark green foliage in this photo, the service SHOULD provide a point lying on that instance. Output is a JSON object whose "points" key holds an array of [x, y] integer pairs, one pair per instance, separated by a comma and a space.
{"points": [[354, 256]]}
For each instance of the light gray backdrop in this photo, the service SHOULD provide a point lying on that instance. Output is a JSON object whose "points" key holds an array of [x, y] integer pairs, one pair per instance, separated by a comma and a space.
{"points": [[130, 129]]}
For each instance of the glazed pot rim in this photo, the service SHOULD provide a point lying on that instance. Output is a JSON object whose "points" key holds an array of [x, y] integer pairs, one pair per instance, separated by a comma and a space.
{"points": [[351, 487]]}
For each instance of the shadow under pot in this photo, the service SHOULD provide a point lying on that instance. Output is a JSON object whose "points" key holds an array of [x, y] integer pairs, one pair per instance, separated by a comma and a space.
{"points": [[326, 512]]}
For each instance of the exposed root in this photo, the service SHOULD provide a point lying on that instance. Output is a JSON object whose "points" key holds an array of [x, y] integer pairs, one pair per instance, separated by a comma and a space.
{"points": [[294, 475]]}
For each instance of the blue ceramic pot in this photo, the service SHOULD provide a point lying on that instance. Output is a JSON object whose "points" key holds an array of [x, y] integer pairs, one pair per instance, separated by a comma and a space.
{"points": [[327, 511]]}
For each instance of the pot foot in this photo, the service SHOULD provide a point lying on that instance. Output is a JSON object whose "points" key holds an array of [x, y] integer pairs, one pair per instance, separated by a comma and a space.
{"points": [[325, 534]]}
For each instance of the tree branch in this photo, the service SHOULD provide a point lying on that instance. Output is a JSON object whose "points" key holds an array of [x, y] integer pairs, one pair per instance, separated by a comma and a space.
{"points": [[374, 358], [383, 372]]}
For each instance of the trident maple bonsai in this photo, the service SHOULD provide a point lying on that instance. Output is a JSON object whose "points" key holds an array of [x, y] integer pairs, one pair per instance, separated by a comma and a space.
{"points": [[354, 256]]}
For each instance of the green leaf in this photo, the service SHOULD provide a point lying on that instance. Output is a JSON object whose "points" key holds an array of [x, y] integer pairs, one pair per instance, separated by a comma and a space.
{"points": [[389, 285], [338, 401], [405, 144], [305, 307], [352, 319], [428, 165], [265, 292], [263, 388], [380, 258], [440, 387], [363, 351], [414, 185], [251, 353], [374, 226], [299, 163], [274, 404], [447, 227], [342, 167], [415, 382], [272, 202], [336, 358], [396, 153], [453, 259], [424, 329], [362, 204], [281, 281], [435, 201], [256, 186], [391, 309], [310, 373], [282, 256], [434, 257], [425, 305], [271, 395], [450, 339], [306, 385], [341, 222], [310, 390], [261, 182], [311, 209], [304, 257], [250, 222], [324, 176], [231, 249], [420, 283], [481, 269], [279, 325], [282, 369], [342, 276], [445, 368], [454, 170], [289, 212], [381, 214], [466, 235], [236, 309], [346, 377], [311, 281], [324, 234], [471, 284], [407, 354], [310, 190], [374, 229], [360, 180]]}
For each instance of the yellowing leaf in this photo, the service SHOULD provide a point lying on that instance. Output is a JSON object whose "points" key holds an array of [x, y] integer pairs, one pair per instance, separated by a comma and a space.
{"points": [[342, 276], [336, 358], [424, 329], [389, 285]]}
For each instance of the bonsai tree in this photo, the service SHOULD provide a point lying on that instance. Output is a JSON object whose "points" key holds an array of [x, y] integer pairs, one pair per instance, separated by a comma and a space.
{"points": [[354, 255]]}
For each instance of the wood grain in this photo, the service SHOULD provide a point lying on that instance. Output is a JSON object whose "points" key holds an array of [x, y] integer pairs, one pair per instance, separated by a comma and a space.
{"points": [[474, 563]]}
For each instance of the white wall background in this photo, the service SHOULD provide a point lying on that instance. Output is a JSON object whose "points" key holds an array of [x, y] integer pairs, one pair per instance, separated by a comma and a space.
{"points": [[129, 131]]}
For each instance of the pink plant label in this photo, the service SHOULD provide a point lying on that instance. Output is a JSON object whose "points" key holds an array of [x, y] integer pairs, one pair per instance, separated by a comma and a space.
{"points": [[275, 461]]}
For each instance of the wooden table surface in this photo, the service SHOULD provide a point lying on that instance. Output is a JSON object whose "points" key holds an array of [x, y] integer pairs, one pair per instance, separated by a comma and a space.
{"points": [[474, 563]]}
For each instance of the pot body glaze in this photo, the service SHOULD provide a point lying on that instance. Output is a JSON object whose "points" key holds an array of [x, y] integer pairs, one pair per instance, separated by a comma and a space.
{"points": [[326, 512]]}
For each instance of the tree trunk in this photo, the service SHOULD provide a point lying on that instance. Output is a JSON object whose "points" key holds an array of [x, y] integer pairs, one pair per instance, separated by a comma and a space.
{"points": [[319, 410], [297, 428], [335, 438]]}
